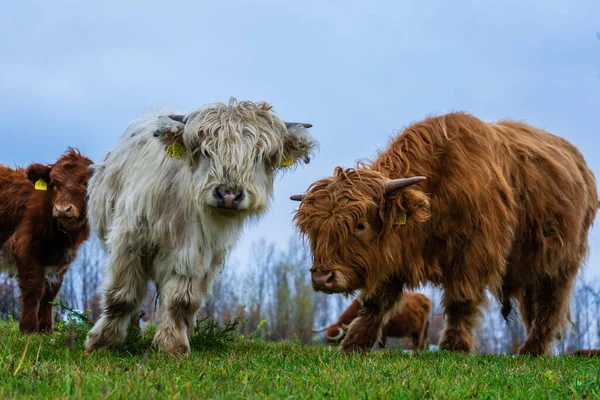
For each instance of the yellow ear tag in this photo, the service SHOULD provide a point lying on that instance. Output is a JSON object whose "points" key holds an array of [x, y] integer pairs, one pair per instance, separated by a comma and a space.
{"points": [[175, 150], [287, 161], [401, 220], [41, 185]]}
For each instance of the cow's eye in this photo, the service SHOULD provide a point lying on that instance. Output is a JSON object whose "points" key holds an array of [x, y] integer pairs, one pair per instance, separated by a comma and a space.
{"points": [[360, 227]]}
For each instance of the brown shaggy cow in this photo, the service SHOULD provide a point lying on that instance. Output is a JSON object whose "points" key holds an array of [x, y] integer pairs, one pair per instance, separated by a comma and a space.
{"points": [[42, 223], [504, 206], [410, 318]]}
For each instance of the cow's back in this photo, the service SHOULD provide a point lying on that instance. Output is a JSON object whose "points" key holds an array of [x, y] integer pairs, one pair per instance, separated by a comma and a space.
{"points": [[135, 182], [15, 190], [520, 195]]}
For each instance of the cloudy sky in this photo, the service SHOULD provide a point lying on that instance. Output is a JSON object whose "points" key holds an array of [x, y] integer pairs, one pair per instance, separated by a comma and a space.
{"points": [[76, 74]]}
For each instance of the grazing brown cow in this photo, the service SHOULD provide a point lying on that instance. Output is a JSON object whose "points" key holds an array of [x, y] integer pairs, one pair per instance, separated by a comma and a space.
{"points": [[410, 318], [504, 206], [42, 223]]}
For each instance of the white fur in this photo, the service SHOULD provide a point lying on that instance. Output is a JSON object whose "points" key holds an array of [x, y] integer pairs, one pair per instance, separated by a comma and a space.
{"points": [[155, 214]]}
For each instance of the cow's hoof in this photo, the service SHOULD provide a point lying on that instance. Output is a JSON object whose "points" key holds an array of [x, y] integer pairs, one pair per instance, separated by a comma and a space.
{"points": [[100, 340], [353, 347], [29, 327], [171, 340], [95, 343], [455, 344], [29, 331], [532, 348]]}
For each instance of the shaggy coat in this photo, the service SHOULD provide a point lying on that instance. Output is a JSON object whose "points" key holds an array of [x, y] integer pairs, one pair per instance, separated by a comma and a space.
{"points": [[43, 221], [409, 318], [504, 206], [170, 200]]}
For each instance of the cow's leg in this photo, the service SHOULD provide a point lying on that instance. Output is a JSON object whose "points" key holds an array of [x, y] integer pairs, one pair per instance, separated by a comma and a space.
{"points": [[53, 284], [363, 332], [526, 307], [180, 298], [383, 338], [550, 307], [124, 292], [32, 285], [461, 318], [421, 337]]}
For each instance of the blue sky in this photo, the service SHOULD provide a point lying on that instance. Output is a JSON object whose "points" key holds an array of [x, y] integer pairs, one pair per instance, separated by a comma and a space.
{"points": [[76, 74]]}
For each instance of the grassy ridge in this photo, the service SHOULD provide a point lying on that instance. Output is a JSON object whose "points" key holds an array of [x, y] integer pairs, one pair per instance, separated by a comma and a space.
{"points": [[56, 367]]}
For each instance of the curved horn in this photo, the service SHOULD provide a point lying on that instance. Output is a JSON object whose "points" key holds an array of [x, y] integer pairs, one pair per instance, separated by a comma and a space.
{"points": [[336, 337], [289, 125], [179, 118], [395, 184], [319, 330], [297, 197]]}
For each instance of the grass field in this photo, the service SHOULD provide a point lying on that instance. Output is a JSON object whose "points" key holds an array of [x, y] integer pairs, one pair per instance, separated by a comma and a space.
{"points": [[55, 366]]}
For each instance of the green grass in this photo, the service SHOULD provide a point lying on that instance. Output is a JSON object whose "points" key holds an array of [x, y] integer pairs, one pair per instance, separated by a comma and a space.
{"points": [[55, 366]]}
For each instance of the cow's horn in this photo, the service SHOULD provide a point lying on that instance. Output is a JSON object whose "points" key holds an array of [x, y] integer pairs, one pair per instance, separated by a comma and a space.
{"points": [[288, 125], [297, 197], [336, 337], [179, 118], [319, 330], [395, 184]]}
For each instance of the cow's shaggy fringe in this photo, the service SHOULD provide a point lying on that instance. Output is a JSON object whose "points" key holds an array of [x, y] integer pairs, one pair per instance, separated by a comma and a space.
{"points": [[505, 206], [155, 214]]}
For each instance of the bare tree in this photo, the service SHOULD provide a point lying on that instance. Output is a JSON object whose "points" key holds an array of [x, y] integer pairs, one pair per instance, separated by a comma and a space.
{"points": [[82, 281], [9, 298]]}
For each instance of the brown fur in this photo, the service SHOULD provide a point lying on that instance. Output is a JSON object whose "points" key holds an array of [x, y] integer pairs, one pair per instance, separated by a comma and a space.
{"points": [[505, 206], [587, 353], [410, 318], [33, 240]]}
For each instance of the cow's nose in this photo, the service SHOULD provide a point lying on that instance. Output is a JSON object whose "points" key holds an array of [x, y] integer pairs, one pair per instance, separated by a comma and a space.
{"points": [[322, 280], [228, 198], [63, 211]]}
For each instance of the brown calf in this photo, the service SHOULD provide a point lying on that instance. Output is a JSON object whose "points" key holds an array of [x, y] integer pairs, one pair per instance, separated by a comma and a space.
{"points": [[43, 222], [410, 318]]}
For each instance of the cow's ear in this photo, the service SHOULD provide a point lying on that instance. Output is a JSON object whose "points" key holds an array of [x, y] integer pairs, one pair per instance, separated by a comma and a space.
{"points": [[298, 144], [410, 204], [170, 129], [35, 172]]}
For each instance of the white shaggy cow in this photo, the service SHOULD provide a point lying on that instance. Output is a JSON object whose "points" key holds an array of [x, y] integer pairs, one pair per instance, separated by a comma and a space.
{"points": [[171, 199]]}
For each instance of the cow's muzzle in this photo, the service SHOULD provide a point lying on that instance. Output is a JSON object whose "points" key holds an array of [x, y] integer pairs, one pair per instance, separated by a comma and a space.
{"points": [[65, 214], [228, 198], [323, 281], [65, 211]]}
